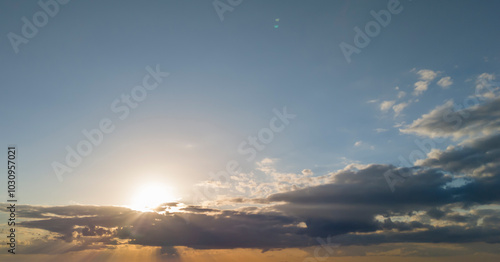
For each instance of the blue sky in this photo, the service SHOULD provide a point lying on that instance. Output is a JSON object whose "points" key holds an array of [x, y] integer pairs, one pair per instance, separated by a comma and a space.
{"points": [[226, 80]]}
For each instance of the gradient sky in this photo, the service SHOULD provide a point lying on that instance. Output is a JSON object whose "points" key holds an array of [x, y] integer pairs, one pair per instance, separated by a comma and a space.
{"points": [[227, 78]]}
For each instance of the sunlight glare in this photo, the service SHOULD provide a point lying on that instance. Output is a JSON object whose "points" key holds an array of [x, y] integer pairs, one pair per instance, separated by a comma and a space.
{"points": [[150, 196]]}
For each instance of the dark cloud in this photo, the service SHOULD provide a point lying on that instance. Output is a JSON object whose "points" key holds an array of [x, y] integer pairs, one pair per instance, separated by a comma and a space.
{"points": [[445, 121], [357, 197], [436, 213], [356, 201], [226, 229], [479, 157]]}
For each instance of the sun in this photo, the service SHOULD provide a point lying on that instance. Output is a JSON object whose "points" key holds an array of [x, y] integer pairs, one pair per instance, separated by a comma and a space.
{"points": [[149, 196]]}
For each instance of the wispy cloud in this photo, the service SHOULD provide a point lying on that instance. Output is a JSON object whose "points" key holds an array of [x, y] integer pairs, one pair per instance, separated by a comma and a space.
{"points": [[380, 130]]}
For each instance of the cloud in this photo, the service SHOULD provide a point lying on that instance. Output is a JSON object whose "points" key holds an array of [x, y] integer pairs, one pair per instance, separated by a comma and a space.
{"points": [[338, 209], [445, 82], [486, 88], [420, 87], [399, 108], [386, 105], [358, 143], [380, 130], [445, 121], [354, 200], [427, 75], [221, 230], [477, 158]]}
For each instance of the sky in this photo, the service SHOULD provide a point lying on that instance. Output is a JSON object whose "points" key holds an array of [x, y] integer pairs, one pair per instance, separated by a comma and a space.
{"points": [[188, 130]]}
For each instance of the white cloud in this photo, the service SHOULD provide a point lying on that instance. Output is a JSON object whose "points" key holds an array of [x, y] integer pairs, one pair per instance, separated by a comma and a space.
{"points": [[427, 75], [386, 105], [445, 82], [399, 108], [372, 101], [420, 87], [358, 143]]}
